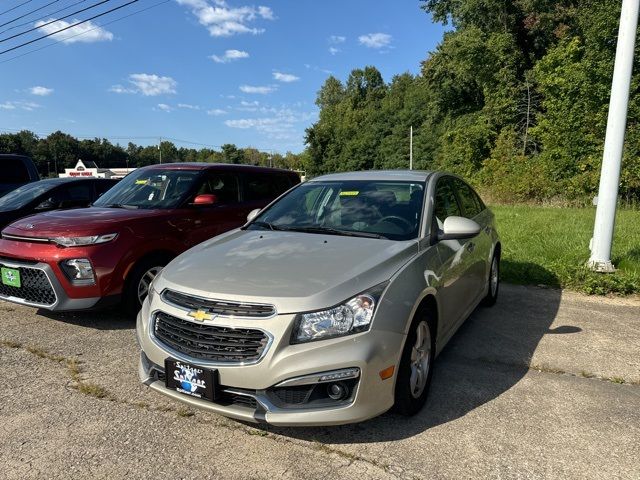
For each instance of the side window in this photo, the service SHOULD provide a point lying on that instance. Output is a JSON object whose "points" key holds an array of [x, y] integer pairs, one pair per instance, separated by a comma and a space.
{"points": [[13, 171], [103, 186], [80, 193], [446, 204], [468, 199], [222, 185], [265, 186]]}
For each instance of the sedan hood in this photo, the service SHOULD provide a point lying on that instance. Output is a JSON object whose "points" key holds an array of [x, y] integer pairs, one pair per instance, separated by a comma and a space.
{"points": [[294, 271], [79, 222]]}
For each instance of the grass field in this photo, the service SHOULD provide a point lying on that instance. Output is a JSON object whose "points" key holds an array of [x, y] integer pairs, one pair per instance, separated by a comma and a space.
{"points": [[550, 246]]}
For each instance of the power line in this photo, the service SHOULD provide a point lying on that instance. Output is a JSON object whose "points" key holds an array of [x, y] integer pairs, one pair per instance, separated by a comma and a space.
{"points": [[85, 32], [39, 18], [68, 27], [17, 6], [54, 21], [29, 13]]}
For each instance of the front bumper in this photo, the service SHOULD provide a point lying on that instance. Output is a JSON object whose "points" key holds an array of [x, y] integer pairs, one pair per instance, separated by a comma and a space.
{"points": [[371, 352], [43, 290]]}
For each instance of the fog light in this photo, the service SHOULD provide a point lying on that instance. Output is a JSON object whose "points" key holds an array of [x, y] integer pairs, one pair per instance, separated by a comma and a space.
{"points": [[337, 391], [78, 270]]}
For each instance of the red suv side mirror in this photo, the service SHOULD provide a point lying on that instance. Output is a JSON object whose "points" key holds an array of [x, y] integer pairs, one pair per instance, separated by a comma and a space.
{"points": [[205, 199]]}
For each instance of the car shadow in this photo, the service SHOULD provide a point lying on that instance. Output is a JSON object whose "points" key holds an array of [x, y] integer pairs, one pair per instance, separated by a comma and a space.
{"points": [[106, 319], [490, 353]]}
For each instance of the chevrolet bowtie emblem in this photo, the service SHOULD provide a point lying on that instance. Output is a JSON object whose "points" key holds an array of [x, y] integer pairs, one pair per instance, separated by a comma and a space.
{"points": [[200, 315]]}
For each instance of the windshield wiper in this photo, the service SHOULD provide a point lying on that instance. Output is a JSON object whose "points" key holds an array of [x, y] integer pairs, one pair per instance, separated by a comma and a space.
{"points": [[121, 205], [270, 226], [335, 231]]}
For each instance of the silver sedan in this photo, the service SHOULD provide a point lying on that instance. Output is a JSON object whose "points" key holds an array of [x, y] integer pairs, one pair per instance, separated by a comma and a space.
{"points": [[329, 306]]}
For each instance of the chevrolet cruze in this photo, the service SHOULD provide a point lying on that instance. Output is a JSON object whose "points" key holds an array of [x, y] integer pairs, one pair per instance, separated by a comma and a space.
{"points": [[329, 306]]}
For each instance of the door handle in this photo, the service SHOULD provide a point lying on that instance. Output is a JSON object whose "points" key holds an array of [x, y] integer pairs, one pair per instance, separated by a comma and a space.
{"points": [[471, 246]]}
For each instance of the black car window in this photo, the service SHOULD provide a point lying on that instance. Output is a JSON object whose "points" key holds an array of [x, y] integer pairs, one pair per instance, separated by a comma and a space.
{"points": [[80, 192], [103, 186], [260, 186], [13, 171], [223, 185], [446, 204], [468, 199]]}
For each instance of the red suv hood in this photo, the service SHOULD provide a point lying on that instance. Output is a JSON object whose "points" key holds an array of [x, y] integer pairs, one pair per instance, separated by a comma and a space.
{"points": [[80, 222]]}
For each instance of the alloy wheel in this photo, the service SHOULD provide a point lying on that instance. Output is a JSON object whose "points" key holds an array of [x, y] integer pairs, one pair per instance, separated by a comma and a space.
{"points": [[420, 360], [145, 282]]}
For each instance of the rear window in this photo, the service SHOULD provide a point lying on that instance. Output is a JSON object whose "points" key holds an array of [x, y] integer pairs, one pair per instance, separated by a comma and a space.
{"points": [[13, 170]]}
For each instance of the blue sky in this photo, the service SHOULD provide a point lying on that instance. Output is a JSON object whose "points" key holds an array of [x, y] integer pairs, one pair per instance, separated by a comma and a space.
{"points": [[204, 71]]}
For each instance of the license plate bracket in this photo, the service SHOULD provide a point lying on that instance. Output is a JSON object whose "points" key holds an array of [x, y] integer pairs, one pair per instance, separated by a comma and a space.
{"points": [[191, 380]]}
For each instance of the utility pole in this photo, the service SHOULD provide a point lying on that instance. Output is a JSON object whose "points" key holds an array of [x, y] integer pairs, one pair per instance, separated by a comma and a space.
{"points": [[160, 148], [411, 148], [600, 259]]}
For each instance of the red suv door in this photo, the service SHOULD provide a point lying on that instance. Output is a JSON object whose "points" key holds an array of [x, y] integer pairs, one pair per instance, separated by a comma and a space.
{"points": [[201, 222]]}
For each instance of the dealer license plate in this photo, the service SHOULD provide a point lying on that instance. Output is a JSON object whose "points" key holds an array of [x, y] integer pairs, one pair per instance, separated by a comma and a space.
{"points": [[10, 277], [191, 380]]}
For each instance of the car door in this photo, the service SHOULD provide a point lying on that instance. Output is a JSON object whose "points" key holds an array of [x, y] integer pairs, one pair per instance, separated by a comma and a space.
{"points": [[457, 290], [480, 246], [225, 214]]}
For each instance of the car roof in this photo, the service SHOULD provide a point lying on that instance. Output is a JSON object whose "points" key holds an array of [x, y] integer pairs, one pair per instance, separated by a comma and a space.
{"points": [[72, 179], [215, 166], [377, 175]]}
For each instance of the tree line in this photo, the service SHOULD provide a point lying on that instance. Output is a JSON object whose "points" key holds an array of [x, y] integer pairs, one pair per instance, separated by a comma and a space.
{"points": [[54, 153], [515, 98]]}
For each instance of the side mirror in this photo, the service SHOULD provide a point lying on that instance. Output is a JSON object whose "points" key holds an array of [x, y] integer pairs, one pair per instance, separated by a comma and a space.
{"points": [[458, 228], [253, 214], [205, 199]]}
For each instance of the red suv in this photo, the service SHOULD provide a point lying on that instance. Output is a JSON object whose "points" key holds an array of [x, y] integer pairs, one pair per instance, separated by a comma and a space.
{"points": [[110, 252]]}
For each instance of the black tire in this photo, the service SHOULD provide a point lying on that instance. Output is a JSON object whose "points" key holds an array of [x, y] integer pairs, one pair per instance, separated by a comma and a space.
{"points": [[406, 401], [492, 293], [130, 299]]}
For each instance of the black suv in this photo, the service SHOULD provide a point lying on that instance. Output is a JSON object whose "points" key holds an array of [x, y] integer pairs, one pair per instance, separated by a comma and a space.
{"points": [[16, 170]]}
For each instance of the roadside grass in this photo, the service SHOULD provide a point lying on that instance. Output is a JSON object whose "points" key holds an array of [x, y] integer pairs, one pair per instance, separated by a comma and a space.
{"points": [[550, 246]]}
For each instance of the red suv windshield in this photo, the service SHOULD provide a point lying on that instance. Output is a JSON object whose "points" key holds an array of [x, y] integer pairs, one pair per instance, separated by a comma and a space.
{"points": [[156, 188]]}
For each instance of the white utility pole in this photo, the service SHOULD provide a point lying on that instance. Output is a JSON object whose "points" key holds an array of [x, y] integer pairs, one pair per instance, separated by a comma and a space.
{"points": [[600, 259], [160, 148], [411, 147]]}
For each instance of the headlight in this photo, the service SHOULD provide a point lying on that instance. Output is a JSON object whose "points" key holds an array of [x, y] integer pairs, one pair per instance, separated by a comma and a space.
{"points": [[79, 271], [353, 316], [81, 241]]}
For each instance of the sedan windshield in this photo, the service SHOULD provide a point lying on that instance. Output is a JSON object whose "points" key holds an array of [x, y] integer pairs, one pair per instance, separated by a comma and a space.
{"points": [[150, 188], [21, 196], [355, 208]]}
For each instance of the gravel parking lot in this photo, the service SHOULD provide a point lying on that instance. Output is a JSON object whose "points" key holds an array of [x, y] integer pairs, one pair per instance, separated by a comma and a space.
{"points": [[544, 385]]}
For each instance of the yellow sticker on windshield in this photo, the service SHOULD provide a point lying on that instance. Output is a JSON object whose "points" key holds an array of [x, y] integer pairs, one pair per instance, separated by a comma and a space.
{"points": [[349, 193], [142, 182]]}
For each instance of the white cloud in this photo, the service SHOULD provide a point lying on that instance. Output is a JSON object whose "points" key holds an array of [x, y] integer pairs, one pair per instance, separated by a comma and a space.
{"points": [[285, 77], [224, 21], [334, 50], [263, 90], [375, 40], [282, 124], [19, 105], [40, 91], [229, 56], [147, 85], [216, 112], [164, 107], [336, 39], [188, 106], [87, 32]]}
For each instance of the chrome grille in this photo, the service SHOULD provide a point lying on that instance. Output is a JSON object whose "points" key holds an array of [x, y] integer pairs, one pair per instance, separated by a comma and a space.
{"points": [[210, 342], [35, 287], [219, 307]]}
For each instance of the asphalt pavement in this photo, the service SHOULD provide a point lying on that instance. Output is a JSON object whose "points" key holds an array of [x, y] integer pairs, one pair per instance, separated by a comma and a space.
{"points": [[546, 384]]}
